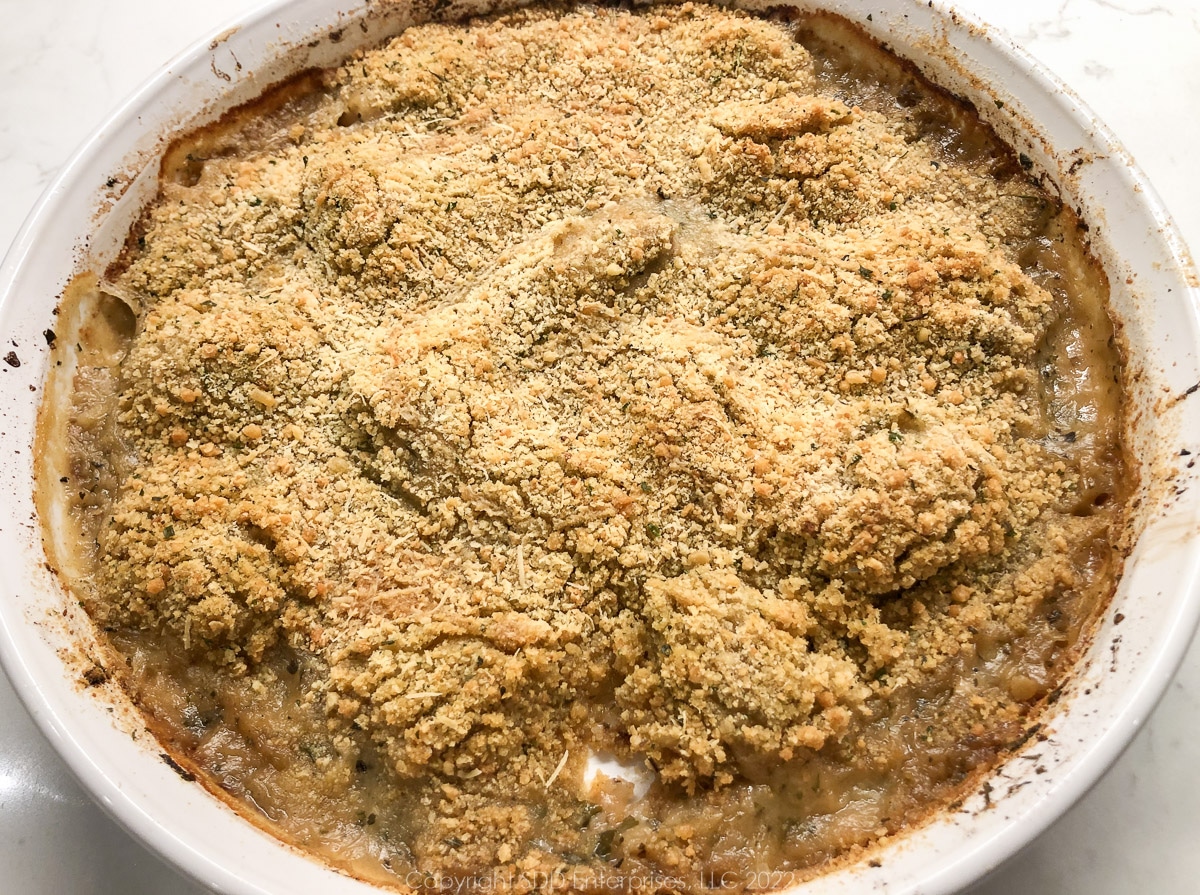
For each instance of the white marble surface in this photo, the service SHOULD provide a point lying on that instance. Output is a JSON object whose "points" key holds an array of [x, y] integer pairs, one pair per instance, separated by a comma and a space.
{"points": [[65, 63]]}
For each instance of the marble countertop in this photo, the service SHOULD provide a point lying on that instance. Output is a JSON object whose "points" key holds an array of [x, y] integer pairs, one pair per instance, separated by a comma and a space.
{"points": [[65, 64]]}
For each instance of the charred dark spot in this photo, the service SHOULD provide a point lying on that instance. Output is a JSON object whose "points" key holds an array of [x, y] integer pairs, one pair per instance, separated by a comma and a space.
{"points": [[1024, 738], [12, 360], [186, 775], [95, 676], [50, 337]]}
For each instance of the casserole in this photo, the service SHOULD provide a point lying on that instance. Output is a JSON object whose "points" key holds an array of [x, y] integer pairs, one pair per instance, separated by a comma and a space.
{"points": [[1046, 158]]}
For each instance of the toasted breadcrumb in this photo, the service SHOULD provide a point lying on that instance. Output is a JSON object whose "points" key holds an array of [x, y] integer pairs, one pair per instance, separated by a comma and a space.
{"points": [[593, 359]]}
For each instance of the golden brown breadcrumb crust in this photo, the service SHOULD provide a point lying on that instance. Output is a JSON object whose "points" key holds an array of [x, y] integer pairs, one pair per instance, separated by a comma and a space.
{"points": [[591, 378]]}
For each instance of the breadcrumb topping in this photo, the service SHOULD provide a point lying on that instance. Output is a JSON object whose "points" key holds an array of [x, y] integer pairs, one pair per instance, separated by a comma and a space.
{"points": [[592, 370]]}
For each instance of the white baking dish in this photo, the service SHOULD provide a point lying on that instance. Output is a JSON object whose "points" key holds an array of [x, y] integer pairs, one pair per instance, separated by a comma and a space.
{"points": [[46, 641]]}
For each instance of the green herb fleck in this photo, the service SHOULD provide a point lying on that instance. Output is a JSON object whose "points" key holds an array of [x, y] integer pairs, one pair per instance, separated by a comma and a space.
{"points": [[604, 844], [585, 816]]}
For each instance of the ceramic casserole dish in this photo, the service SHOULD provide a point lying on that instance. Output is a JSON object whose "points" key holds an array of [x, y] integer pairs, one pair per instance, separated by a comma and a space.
{"points": [[47, 642]]}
